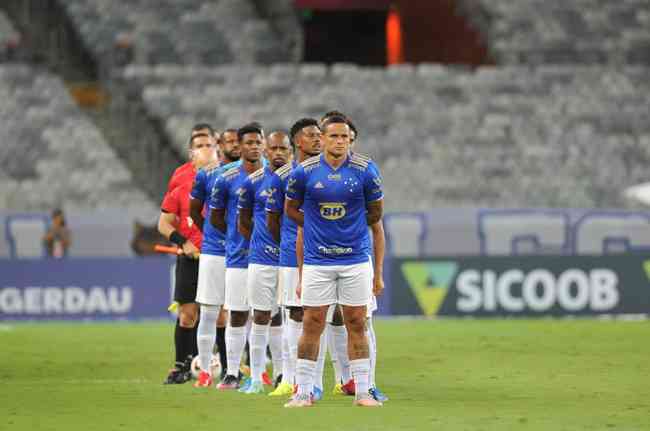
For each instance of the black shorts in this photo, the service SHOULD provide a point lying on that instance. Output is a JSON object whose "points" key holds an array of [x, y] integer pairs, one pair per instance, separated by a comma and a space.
{"points": [[187, 279]]}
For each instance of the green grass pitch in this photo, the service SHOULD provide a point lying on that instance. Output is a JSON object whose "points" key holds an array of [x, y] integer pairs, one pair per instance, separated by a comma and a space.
{"points": [[440, 375]]}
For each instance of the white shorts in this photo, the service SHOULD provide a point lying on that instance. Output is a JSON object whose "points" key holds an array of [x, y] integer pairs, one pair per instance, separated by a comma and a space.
{"points": [[263, 287], [287, 283], [236, 289], [211, 288], [342, 284]]}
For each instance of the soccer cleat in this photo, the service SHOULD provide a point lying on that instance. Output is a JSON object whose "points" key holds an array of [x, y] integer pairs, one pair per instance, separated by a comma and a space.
{"points": [[228, 383], [204, 380], [244, 386], [178, 375], [266, 379], [282, 389], [255, 388], [299, 401], [318, 394], [348, 388], [378, 395], [338, 390]]}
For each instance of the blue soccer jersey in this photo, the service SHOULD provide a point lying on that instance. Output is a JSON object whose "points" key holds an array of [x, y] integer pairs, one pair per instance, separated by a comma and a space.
{"points": [[255, 192], [334, 203], [214, 241], [275, 203], [225, 195]]}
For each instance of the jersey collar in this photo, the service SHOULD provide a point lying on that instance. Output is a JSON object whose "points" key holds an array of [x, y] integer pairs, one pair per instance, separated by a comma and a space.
{"points": [[344, 164]]}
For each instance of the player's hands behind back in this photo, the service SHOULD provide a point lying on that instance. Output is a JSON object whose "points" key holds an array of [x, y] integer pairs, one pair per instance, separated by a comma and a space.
{"points": [[190, 250]]}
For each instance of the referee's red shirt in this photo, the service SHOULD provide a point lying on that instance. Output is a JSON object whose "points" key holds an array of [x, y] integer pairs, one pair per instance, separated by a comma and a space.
{"points": [[178, 202]]}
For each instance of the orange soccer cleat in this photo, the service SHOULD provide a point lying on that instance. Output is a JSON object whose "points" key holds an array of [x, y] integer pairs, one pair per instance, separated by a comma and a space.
{"points": [[204, 380]]}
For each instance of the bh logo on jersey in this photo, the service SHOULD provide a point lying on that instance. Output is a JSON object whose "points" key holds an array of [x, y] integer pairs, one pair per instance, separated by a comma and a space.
{"points": [[332, 210]]}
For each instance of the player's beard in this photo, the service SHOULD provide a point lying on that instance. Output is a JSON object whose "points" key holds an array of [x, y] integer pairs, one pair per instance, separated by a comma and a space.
{"points": [[276, 165], [230, 156], [313, 153]]}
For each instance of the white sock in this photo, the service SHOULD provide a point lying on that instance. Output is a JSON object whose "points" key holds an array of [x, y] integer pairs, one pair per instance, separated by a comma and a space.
{"points": [[331, 348], [235, 343], [305, 376], [285, 349], [295, 331], [320, 363], [372, 349], [259, 339], [341, 341], [360, 373], [206, 335], [275, 344]]}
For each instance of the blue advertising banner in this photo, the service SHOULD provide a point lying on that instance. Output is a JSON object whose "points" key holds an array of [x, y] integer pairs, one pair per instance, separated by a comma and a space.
{"points": [[85, 289]]}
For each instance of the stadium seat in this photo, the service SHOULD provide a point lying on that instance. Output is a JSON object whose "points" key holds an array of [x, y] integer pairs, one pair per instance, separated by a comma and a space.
{"points": [[52, 155]]}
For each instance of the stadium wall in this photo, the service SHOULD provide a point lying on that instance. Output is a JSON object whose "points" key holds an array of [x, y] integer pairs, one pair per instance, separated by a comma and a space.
{"points": [[445, 262]]}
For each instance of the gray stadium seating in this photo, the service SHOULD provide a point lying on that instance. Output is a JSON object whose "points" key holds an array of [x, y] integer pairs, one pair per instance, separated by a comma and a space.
{"points": [[51, 154], [176, 31], [563, 32], [547, 136]]}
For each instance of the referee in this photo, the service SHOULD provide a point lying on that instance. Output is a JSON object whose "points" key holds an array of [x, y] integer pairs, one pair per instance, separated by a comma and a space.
{"points": [[175, 223]]}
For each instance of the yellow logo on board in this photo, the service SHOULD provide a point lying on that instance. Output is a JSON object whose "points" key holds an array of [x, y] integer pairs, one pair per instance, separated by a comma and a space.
{"points": [[429, 282]]}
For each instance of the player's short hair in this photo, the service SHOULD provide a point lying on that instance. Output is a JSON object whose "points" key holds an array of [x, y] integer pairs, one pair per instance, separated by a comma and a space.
{"points": [[284, 135], [298, 126], [230, 130], [253, 127], [333, 113], [336, 119], [196, 128], [203, 126]]}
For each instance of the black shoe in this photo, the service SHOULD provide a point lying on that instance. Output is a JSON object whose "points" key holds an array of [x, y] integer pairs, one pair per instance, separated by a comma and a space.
{"points": [[178, 375], [229, 382], [278, 380]]}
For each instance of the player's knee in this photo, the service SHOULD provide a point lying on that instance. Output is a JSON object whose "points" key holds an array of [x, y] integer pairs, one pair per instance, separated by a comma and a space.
{"points": [[187, 320], [356, 324], [295, 314], [313, 323], [188, 315], [261, 317], [238, 318]]}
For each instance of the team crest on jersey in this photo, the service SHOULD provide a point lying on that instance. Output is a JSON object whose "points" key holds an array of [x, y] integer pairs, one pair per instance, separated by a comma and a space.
{"points": [[290, 185], [334, 177], [332, 210], [268, 192]]}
